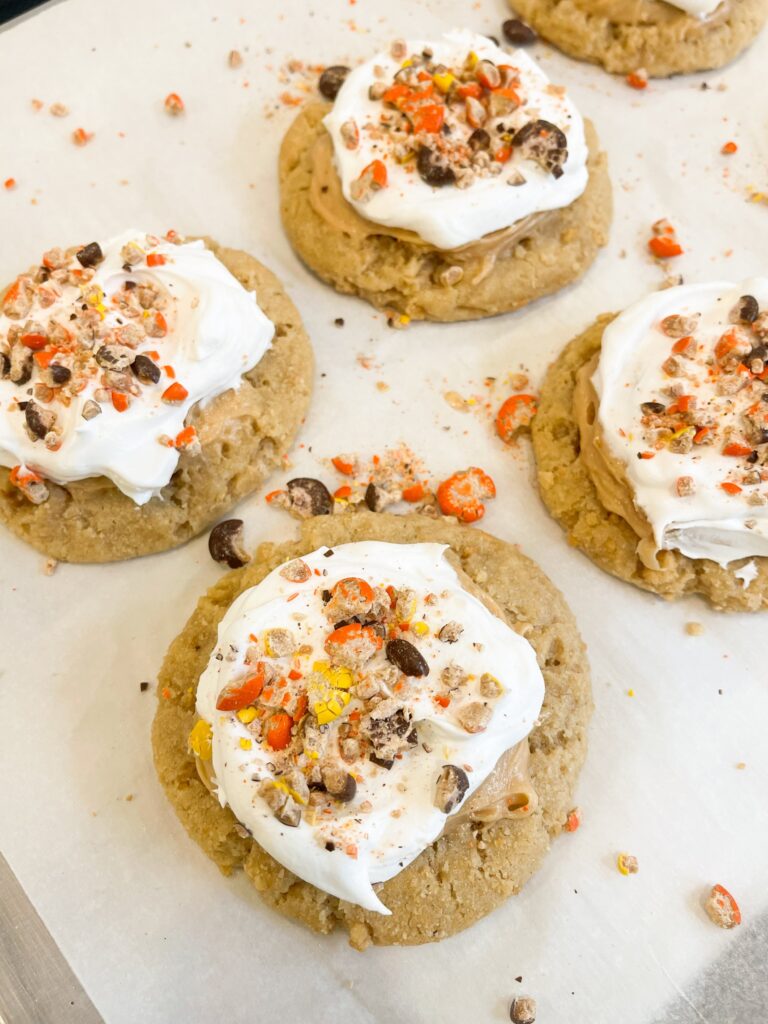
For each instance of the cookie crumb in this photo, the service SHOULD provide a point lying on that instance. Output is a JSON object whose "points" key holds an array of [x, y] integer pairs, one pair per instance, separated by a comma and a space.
{"points": [[523, 1010], [627, 864], [235, 59], [694, 628], [741, 765], [722, 909], [49, 566]]}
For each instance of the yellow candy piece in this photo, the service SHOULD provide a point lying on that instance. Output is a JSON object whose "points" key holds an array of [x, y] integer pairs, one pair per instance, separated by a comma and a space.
{"points": [[323, 714], [443, 80], [245, 744], [472, 59], [247, 715], [407, 63], [200, 740], [336, 676], [420, 628], [282, 785]]}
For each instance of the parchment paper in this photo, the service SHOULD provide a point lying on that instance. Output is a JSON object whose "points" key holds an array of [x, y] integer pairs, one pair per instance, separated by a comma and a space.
{"points": [[152, 930]]}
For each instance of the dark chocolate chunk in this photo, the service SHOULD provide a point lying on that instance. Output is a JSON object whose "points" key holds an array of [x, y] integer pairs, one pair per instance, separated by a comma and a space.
{"points": [[145, 369], [543, 142], [90, 255]]}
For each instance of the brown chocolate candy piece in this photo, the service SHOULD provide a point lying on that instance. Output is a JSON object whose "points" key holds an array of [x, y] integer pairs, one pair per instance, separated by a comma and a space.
{"points": [[338, 783], [309, 497], [90, 255], [147, 371], [332, 80], [407, 658], [543, 142], [225, 544], [518, 33], [432, 169], [452, 785]]}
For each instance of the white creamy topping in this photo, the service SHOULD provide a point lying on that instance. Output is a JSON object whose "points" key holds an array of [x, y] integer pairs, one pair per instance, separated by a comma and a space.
{"points": [[392, 816], [215, 333], [449, 216], [699, 8], [722, 513]]}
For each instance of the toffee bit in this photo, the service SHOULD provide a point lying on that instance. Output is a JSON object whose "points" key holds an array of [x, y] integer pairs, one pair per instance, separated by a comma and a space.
{"points": [[475, 717], [296, 571], [58, 110], [225, 544], [694, 628], [685, 486], [450, 632], [523, 1010], [235, 59]]}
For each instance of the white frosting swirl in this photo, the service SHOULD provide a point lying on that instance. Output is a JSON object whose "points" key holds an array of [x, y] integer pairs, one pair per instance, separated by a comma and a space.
{"points": [[449, 217], [710, 522], [699, 8], [392, 817], [216, 332]]}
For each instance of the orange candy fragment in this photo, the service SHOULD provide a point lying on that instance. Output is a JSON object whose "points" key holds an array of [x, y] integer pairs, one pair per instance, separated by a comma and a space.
{"points": [[515, 415], [462, 494], [235, 696]]}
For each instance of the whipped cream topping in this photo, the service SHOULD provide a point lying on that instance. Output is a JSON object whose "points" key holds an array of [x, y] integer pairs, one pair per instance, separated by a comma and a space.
{"points": [[698, 8], [69, 339], [467, 116], [482, 676], [682, 383]]}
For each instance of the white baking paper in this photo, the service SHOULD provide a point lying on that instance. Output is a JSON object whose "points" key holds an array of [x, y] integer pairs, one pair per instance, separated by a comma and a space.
{"points": [[148, 924]]}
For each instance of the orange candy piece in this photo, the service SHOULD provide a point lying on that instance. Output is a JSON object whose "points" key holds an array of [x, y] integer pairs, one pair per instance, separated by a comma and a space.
{"points": [[462, 494]]}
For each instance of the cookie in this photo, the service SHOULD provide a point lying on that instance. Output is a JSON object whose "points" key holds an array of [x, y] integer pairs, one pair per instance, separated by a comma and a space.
{"points": [[242, 436], [472, 869], [569, 493], [427, 239], [626, 35]]}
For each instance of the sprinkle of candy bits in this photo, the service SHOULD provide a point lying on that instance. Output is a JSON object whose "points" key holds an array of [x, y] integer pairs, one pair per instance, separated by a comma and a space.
{"points": [[9, 183], [81, 137], [722, 909], [573, 821], [174, 105], [638, 79], [729, 148], [627, 864]]}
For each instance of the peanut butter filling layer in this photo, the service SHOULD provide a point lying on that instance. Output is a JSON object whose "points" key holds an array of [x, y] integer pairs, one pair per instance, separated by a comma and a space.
{"points": [[605, 471], [327, 199]]}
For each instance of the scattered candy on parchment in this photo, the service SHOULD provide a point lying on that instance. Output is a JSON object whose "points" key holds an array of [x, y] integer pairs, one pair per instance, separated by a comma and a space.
{"points": [[573, 820], [174, 104], [523, 1010], [637, 79], [81, 137], [722, 909], [663, 243], [627, 864]]}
